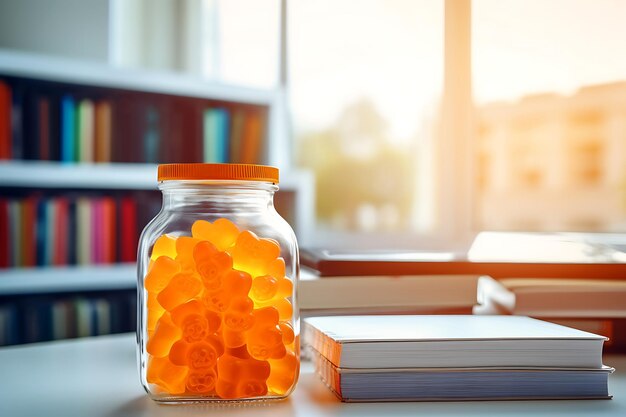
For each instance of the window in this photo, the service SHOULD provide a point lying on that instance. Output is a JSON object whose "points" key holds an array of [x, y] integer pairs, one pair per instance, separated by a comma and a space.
{"points": [[365, 81], [550, 97]]}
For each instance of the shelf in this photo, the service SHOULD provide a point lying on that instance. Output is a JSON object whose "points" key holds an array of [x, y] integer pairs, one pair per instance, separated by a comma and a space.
{"points": [[43, 174], [104, 176], [22, 64], [67, 279]]}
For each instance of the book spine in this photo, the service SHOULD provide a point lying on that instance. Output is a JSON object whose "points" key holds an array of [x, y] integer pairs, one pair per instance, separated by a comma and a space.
{"points": [[86, 130], [5, 121], [68, 129]]}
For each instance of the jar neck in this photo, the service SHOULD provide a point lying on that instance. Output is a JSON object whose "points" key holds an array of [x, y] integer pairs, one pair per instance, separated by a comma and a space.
{"points": [[222, 196]]}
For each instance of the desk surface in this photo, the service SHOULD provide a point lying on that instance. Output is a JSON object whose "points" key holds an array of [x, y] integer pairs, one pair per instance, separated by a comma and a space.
{"points": [[98, 377]]}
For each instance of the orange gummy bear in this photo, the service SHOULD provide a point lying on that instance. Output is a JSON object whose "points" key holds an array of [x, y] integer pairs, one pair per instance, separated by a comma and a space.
{"points": [[263, 288], [184, 250], [287, 331], [241, 378], [164, 246], [201, 381], [222, 232], [211, 264], [285, 288], [195, 321], [265, 340], [254, 255], [182, 288], [163, 269], [165, 334], [168, 376], [197, 355], [276, 268], [283, 375]]}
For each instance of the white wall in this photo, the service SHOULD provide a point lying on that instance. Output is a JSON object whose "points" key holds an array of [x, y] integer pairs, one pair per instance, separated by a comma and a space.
{"points": [[69, 28]]}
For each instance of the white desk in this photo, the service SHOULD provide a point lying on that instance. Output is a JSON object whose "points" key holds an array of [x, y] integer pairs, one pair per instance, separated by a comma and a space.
{"points": [[98, 377]]}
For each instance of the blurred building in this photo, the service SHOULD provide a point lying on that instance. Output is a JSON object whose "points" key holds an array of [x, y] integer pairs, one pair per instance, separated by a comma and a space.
{"points": [[552, 162]]}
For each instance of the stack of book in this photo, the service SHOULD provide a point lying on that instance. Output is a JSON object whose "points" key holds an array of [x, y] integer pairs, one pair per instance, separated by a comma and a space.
{"points": [[434, 358], [594, 305]]}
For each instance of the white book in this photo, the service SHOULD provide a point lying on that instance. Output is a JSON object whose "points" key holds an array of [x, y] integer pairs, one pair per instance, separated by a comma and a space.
{"points": [[450, 341], [392, 292], [463, 384]]}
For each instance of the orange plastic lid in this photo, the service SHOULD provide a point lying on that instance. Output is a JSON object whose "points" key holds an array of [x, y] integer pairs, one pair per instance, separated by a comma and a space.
{"points": [[239, 172]]}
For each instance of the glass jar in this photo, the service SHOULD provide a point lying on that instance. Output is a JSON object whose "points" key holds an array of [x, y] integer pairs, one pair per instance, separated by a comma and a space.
{"points": [[217, 276]]}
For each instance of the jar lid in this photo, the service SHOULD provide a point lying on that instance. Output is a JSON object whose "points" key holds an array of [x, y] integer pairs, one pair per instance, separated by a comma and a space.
{"points": [[239, 172]]}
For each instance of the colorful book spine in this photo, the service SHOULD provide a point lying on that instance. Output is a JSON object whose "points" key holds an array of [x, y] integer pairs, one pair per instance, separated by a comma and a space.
{"points": [[5, 121], [85, 130], [102, 131], [5, 244], [68, 129]]}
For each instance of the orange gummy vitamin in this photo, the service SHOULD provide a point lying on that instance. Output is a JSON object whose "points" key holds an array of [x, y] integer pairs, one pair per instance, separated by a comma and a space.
{"points": [[184, 251], [287, 331], [211, 264], [264, 288], [163, 269], [284, 373], [254, 255], [164, 246], [182, 288], [201, 381], [195, 321], [222, 232], [165, 334], [241, 378]]}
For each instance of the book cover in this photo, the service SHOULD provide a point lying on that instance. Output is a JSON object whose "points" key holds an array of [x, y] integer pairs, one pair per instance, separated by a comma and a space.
{"points": [[210, 151], [5, 121], [68, 129], [85, 123], [102, 131]]}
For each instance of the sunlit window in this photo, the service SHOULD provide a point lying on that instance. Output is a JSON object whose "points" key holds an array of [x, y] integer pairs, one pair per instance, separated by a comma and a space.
{"points": [[549, 82], [365, 89]]}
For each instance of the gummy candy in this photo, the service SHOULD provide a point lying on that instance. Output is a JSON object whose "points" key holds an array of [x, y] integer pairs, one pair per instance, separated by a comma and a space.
{"points": [[222, 232], [219, 319]]}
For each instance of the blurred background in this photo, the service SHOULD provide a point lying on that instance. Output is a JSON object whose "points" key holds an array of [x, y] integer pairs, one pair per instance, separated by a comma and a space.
{"points": [[366, 95]]}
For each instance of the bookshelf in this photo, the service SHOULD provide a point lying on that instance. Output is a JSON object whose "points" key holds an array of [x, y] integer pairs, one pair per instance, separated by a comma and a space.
{"points": [[50, 178]]}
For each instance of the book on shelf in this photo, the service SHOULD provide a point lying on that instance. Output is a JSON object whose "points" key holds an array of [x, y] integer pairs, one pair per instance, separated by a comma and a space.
{"points": [[71, 229], [45, 120], [411, 357], [434, 294], [42, 318]]}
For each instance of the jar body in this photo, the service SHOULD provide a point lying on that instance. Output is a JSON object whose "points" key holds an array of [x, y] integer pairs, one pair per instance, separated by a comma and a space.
{"points": [[217, 277]]}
